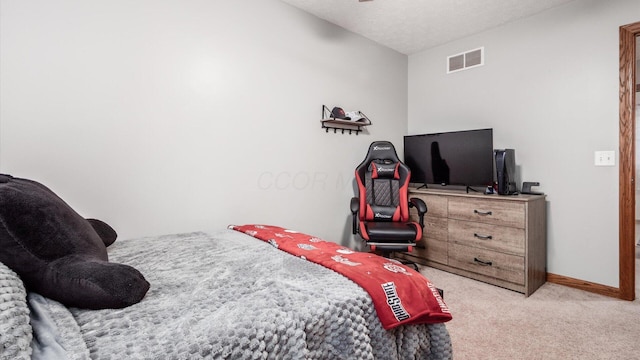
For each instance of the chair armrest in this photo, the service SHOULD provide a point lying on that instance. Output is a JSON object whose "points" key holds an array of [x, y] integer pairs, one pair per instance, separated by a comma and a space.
{"points": [[355, 208], [355, 205], [420, 205]]}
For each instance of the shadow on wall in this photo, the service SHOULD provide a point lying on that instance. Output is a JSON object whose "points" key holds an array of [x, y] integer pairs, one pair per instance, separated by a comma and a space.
{"points": [[348, 239]]}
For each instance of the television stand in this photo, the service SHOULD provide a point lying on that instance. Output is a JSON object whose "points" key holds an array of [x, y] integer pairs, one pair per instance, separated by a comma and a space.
{"points": [[500, 240]]}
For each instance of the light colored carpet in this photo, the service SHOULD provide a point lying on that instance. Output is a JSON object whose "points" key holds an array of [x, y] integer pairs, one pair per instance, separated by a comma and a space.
{"points": [[555, 322]]}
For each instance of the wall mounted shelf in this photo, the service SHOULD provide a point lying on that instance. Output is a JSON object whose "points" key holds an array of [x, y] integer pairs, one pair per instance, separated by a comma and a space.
{"points": [[342, 125]]}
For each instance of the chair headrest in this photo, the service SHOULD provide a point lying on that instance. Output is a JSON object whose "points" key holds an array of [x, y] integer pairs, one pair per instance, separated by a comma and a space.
{"points": [[382, 162], [384, 169], [382, 150], [385, 157]]}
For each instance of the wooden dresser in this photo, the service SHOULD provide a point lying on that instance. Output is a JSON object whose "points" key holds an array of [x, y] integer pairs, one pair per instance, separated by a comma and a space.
{"points": [[497, 239]]}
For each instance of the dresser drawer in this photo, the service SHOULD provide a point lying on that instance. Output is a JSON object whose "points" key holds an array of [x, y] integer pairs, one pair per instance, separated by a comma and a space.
{"points": [[432, 250], [434, 228], [436, 205], [503, 213], [486, 262], [491, 237]]}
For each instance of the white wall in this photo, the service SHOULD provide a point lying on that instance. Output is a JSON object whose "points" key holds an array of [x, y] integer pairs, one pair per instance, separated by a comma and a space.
{"points": [[174, 116], [549, 89]]}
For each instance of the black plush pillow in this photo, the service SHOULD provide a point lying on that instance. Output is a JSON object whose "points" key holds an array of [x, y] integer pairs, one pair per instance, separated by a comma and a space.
{"points": [[58, 253]]}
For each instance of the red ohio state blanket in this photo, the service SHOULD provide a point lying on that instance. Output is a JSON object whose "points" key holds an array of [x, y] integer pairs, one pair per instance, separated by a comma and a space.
{"points": [[400, 294]]}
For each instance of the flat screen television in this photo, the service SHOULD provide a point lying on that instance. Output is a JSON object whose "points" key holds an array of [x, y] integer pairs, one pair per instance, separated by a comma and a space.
{"points": [[462, 158]]}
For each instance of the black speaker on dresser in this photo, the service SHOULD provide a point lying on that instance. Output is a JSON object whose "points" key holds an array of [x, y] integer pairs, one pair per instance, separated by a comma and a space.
{"points": [[506, 171]]}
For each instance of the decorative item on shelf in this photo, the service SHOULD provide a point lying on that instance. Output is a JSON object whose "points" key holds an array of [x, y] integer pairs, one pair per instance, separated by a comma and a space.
{"points": [[338, 119]]}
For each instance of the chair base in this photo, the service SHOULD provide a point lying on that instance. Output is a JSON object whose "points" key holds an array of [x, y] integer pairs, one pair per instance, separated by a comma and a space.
{"points": [[409, 263], [387, 254]]}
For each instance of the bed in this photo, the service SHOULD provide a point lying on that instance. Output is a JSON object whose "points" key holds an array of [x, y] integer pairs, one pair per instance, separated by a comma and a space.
{"points": [[69, 290], [223, 295]]}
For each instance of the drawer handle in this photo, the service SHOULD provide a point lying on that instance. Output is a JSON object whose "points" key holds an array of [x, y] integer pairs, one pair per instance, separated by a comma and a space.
{"points": [[482, 212], [483, 263], [483, 237]]}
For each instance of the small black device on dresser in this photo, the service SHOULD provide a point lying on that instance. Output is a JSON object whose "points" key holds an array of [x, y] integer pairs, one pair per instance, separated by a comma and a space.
{"points": [[526, 188], [505, 160]]}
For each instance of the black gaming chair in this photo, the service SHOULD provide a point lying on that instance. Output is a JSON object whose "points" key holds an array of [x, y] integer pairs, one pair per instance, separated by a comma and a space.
{"points": [[381, 209]]}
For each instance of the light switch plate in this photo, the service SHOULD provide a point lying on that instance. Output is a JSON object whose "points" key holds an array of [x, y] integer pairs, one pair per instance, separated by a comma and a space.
{"points": [[605, 158]]}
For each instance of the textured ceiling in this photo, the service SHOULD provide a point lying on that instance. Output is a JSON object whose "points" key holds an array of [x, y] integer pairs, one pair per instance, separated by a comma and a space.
{"points": [[409, 26]]}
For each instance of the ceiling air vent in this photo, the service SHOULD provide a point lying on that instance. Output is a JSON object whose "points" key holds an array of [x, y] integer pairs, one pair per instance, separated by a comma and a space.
{"points": [[465, 60]]}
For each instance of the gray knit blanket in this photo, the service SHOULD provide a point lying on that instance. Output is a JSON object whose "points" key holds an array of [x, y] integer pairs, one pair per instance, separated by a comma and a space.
{"points": [[15, 330], [229, 296]]}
